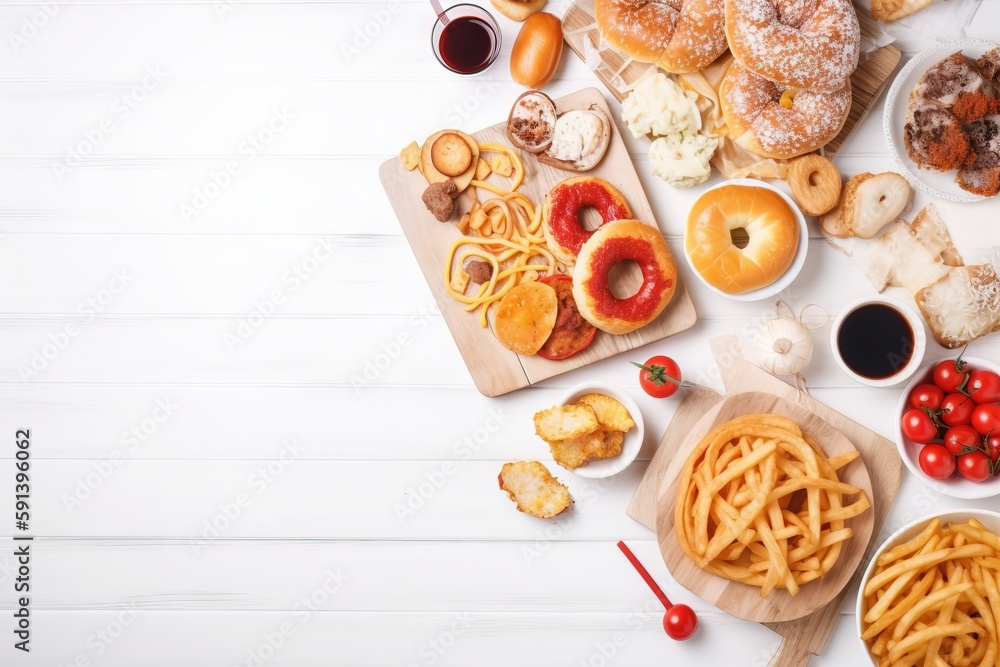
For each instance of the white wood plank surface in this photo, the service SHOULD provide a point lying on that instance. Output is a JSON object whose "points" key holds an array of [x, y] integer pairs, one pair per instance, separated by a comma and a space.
{"points": [[254, 442]]}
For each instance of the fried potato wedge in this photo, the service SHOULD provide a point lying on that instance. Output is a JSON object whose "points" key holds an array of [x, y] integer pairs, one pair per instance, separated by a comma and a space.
{"points": [[534, 489], [526, 316], [565, 422], [611, 414]]}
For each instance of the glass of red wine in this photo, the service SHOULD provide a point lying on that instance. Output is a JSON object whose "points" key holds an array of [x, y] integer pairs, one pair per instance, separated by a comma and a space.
{"points": [[466, 39]]}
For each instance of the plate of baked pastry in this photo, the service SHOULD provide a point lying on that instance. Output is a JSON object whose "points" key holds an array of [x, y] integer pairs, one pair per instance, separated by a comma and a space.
{"points": [[942, 120]]}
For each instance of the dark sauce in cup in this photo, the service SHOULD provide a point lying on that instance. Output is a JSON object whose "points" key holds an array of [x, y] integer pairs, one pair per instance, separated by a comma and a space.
{"points": [[875, 341], [466, 44]]}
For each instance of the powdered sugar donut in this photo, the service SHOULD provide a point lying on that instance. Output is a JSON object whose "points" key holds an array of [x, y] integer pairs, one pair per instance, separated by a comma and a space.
{"points": [[811, 44]]}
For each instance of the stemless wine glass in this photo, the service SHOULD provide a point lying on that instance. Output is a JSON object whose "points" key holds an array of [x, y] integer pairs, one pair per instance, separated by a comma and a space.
{"points": [[466, 39]]}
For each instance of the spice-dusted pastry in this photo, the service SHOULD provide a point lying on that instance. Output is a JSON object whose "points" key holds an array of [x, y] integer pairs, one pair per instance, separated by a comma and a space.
{"points": [[810, 45], [680, 36], [759, 121]]}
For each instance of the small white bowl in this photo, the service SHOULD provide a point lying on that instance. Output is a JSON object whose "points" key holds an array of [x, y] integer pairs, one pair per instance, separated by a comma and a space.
{"points": [[989, 519], [599, 468], [793, 269], [955, 486], [919, 341]]}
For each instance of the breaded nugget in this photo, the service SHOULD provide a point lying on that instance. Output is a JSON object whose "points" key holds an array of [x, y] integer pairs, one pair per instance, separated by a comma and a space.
{"points": [[575, 452], [565, 422], [534, 489], [611, 414]]}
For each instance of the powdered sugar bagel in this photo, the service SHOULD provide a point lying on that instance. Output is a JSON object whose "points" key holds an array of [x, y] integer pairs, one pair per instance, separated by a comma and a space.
{"points": [[759, 123], [811, 44], [679, 36]]}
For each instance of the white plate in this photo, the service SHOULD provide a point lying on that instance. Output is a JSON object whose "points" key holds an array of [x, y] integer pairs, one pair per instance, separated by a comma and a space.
{"points": [[793, 269], [599, 468], [991, 520], [955, 486], [936, 183]]}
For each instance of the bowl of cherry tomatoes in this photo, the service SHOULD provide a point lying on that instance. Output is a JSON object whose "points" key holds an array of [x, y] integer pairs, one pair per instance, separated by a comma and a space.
{"points": [[948, 426]]}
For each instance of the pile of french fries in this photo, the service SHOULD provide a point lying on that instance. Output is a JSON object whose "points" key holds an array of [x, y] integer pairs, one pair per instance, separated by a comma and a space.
{"points": [[935, 600], [759, 502]]}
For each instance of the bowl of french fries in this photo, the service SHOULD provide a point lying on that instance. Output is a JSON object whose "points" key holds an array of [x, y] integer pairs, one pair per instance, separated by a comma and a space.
{"points": [[931, 593]]}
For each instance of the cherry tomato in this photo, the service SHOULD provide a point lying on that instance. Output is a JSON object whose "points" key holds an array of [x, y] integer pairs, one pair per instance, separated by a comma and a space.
{"points": [[926, 396], [680, 622], [984, 386], [917, 426], [962, 437], [993, 445], [950, 374], [659, 377], [936, 461], [986, 418], [956, 409], [974, 466]]}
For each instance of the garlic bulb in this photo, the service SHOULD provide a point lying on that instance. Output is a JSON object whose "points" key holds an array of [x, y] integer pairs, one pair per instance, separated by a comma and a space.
{"points": [[783, 345]]}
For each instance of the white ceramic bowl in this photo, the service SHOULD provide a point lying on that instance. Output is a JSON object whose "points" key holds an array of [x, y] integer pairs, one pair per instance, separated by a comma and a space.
{"points": [[938, 184], [989, 519], [599, 468], [793, 269], [955, 486], [919, 341]]}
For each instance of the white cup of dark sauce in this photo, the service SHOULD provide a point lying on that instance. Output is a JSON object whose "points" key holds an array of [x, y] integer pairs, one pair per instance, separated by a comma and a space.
{"points": [[878, 341]]}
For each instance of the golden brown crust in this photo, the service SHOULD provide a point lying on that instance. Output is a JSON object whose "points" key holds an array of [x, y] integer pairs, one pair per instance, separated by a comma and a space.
{"points": [[893, 10], [533, 488], [815, 184], [516, 10], [679, 37]]}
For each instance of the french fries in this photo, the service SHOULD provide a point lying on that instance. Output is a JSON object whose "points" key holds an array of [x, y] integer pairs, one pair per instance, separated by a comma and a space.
{"points": [[935, 599], [759, 502]]}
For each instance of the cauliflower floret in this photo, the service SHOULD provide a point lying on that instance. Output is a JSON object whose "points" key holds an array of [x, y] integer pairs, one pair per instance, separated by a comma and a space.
{"points": [[658, 106], [682, 160]]}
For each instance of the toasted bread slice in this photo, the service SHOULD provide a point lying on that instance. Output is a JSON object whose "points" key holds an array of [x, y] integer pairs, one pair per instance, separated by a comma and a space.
{"points": [[963, 305], [565, 422], [534, 489], [611, 414]]}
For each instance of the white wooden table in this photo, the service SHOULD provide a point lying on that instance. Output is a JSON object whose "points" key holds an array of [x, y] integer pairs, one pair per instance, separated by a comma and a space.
{"points": [[253, 440]]}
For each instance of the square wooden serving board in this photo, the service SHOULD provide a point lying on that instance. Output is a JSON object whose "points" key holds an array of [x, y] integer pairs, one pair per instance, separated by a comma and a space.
{"points": [[494, 369]]}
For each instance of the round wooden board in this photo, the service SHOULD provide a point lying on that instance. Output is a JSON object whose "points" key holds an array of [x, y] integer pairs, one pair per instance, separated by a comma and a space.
{"points": [[742, 600]]}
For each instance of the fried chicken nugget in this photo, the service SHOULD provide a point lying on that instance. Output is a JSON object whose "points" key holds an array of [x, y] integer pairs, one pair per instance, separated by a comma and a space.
{"points": [[611, 414], [534, 489], [565, 422]]}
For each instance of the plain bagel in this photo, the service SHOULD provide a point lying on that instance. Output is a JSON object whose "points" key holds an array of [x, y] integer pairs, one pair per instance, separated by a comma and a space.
{"points": [[770, 223]]}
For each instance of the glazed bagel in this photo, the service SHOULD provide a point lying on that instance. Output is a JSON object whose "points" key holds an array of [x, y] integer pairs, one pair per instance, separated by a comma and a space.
{"points": [[679, 36], [617, 242], [561, 213], [759, 123], [812, 44], [770, 223]]}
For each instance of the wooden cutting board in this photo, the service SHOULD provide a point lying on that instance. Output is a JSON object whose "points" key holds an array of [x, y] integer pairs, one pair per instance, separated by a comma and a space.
{"points": [[494, 369], [808, 635], [868, 80]]}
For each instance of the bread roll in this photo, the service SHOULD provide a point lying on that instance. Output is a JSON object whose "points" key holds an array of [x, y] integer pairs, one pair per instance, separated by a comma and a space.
{"points": [[537, 50], [518, 10], [770, 224]]}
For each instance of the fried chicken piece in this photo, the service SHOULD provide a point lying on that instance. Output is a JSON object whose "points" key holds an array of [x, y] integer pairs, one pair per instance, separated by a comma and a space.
{"points": [[439, 198]]}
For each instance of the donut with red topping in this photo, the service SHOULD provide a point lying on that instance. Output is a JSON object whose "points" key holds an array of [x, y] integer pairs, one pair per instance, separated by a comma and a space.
{"points": [[564, 232]]}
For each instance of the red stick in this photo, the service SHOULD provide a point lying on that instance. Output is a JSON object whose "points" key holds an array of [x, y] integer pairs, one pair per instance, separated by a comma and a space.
{"points": [[667, 604]]}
